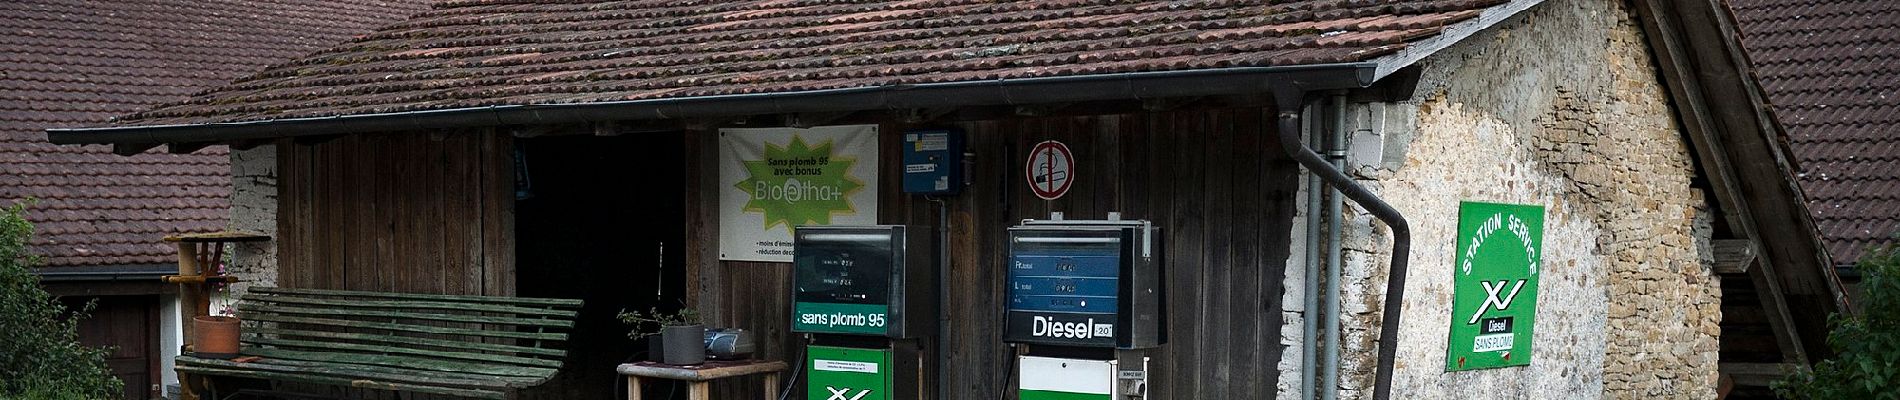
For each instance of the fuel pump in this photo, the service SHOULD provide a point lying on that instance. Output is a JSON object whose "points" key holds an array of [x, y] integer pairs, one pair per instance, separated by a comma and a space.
{"points": [[1086, 299], [864, 295]]}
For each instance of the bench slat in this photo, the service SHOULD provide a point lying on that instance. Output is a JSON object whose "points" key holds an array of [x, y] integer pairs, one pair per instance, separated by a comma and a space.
{"points": [[403, 315], [420, 363], [411, 304], [359, 383], [408, 340], [357, 340], [508, 381], [255, 316], [446, 297], [466, 381], [315, 345]]}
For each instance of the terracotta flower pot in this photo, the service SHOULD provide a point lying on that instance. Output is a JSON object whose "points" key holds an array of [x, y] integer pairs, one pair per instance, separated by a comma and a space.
{"points": [[214, 337]]}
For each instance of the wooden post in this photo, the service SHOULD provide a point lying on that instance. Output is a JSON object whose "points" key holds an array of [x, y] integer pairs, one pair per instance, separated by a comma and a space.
{"points": [[771, 385], [189, 295], [700, 390], [633, 387]]}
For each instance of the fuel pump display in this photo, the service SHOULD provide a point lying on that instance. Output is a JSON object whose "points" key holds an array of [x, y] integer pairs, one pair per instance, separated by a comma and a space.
{"points": [[862, 281], [844, 286], [865, 296], [1084, 285]]}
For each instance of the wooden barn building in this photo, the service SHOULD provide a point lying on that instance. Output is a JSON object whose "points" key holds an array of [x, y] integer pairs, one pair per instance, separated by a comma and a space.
{"points": [[579, 149]]}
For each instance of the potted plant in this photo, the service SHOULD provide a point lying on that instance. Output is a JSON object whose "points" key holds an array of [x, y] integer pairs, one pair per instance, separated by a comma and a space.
{"points": [[682, 336], [216, 336]]}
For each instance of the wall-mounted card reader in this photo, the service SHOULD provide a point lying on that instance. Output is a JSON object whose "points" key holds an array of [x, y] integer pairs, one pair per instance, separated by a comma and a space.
{"points": [[864, 280], [933, 161], [1086, 284]]}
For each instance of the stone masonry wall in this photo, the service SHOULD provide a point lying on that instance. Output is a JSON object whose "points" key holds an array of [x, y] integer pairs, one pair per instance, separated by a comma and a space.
{"points": [[254, 209], [1562, 107]]}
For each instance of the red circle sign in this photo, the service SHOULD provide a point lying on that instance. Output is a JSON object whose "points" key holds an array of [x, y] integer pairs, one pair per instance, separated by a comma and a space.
{"points": [[1051, 170]]}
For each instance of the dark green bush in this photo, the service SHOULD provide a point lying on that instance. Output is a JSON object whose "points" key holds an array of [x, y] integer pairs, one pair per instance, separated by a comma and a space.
{"points": [[1866, 345], [41, 358]]}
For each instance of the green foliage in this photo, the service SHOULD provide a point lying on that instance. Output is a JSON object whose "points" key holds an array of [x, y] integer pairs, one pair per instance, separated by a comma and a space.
{"points": [[41, 359], [649, 323], [1866, 345]]}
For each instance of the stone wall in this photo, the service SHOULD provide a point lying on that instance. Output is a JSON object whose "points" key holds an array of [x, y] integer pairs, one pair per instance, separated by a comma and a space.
{"points": [[1562, 107], [254, 209]]}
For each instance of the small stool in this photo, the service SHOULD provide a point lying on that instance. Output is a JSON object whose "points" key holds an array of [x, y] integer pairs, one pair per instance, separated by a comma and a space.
{"points": [[700, 376]]}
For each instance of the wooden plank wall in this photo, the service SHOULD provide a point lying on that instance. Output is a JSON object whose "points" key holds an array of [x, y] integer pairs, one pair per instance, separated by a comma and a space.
{"points": [[1209, 177], [404, 212]]}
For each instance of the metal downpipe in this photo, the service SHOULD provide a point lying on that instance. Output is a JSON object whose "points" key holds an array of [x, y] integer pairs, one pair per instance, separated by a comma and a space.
{"points": [[1309, 353], [1289, 135], [1334, 140]]}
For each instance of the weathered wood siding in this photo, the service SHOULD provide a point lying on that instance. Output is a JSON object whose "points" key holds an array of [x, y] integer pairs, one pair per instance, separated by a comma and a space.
{"points": [[1209, 177], [406, 212]]}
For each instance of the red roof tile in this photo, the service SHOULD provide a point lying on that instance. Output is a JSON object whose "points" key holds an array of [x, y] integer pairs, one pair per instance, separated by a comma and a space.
{"points": [[70, 63], [1832, 72], [470, 53]]}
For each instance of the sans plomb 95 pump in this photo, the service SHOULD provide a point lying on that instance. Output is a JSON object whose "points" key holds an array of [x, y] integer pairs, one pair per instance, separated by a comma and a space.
{"points": [[866, 297]]}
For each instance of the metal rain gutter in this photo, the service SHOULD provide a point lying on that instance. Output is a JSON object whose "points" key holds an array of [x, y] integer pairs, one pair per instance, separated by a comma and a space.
{"points": [[144, 273], [1289, 100], [1043, 90]]}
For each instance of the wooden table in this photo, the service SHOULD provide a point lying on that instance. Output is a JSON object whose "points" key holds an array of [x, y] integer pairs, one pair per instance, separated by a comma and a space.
{"points": [[700, 376]]}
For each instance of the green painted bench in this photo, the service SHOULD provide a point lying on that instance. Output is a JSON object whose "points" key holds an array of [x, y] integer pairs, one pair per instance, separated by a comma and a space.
{"points": [[463, 346]]}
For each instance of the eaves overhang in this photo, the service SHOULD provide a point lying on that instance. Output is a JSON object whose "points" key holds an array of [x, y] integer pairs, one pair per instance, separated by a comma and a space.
{"points": [[1041, 90]]}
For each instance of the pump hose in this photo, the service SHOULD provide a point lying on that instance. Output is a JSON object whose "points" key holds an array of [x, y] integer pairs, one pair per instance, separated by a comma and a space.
{"points": [[796, 371]]}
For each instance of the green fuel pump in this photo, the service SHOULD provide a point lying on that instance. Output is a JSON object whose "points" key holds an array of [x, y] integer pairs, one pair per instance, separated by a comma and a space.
{"points": [[865, 296], [1087, 299]]}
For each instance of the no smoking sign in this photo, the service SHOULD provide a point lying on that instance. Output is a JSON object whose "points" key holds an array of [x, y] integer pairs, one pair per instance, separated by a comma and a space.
{"points": [[1050, 170]]}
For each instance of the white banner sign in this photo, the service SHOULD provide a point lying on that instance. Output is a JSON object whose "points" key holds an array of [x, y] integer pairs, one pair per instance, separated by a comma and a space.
{"points": [[772, 179]]}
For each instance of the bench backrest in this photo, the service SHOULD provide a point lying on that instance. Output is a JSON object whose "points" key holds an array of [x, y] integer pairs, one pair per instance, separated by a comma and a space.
{"points": [[513, 339]]}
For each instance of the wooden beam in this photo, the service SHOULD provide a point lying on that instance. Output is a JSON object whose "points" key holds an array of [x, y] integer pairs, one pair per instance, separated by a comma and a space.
{"points": [[922, 115], [534, 131], [1733, 256], [1166, 103], [607, 128], [1775, 308], [807, 120], [1755, 374], [710, 124], [315, 139], [1040, 110]]}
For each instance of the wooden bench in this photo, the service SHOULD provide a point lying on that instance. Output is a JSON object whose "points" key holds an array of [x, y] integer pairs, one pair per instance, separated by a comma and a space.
{"points": [[464, 346]]}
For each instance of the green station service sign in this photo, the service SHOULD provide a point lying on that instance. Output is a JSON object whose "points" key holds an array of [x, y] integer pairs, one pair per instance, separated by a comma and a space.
{"points": [[844, 373], [1494, 301]]}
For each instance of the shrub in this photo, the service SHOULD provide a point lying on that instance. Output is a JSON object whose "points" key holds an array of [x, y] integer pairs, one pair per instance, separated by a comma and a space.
{"points": [[1866, 345], [41, 359]]}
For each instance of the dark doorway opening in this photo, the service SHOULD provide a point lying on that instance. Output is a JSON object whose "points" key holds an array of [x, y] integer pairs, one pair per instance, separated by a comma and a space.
{"points": [[127, 326], [602, 219]]}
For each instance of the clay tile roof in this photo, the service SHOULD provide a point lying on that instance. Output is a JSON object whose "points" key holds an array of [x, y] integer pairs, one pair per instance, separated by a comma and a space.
{"points": [[470, 53], [71, 63], [1832, 72]]}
